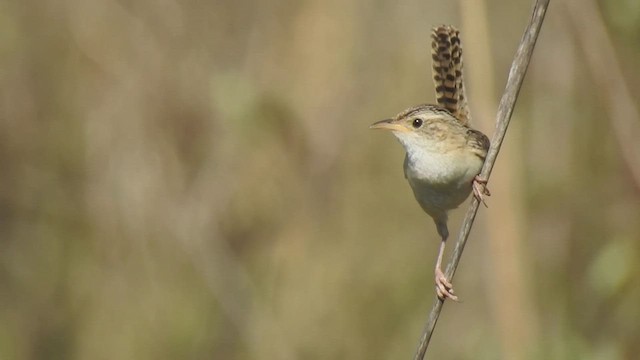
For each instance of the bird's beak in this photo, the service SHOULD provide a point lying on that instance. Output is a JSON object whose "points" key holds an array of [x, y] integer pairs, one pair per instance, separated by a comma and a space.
{"points": [[388, 124]]}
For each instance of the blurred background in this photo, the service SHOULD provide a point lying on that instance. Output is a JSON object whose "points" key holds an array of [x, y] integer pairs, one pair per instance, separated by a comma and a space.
{"points": [[196, 180]]}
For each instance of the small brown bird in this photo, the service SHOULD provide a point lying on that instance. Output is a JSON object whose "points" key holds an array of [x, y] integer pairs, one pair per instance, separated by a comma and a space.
{"points": [[443, 154]]}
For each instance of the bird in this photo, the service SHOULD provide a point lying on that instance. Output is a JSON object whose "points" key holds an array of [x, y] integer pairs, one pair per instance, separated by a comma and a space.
{"points": [[444, 155]]}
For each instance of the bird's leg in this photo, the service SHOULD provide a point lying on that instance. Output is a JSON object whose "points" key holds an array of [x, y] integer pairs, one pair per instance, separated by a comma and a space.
{"points": [[444, 288], [480, 189]]}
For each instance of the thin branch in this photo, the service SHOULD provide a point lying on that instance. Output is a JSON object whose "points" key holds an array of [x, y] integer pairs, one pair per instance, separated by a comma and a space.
{"points": [[505, 109]]}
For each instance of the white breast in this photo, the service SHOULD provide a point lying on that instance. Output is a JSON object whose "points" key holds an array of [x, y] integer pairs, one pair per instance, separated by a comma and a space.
{"points": [[441, 181]]}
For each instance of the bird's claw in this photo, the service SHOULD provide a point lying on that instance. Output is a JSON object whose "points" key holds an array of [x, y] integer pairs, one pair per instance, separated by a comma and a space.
{"points": [[444, 289], [480, 189]]}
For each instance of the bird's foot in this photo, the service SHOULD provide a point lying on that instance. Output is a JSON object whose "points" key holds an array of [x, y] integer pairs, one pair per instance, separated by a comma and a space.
{"points": [[480, 189], [444, 289]]}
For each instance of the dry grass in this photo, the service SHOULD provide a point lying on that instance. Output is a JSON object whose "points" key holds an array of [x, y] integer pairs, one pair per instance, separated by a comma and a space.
{"points": [[196, 180]]}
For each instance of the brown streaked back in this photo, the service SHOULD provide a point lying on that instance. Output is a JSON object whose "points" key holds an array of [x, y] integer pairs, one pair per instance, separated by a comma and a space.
{"points": [[446, 52]]}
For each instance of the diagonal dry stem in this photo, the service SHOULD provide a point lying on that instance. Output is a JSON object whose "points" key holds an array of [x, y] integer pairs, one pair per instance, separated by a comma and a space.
{"points": [[505, 109]]}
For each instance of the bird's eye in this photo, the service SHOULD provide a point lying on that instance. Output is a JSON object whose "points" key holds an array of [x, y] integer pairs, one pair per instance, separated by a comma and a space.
{"points": [[417, 123]]}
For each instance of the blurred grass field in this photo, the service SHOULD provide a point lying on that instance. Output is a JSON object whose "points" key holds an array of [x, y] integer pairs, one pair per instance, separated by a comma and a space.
{"points": [[196, 180]]}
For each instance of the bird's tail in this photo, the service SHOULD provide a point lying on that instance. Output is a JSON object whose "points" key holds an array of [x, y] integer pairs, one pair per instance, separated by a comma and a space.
{"points": [[446, 52]]}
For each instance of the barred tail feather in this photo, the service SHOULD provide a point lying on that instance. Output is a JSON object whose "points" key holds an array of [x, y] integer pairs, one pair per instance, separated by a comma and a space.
{"points": [[446, 52]]}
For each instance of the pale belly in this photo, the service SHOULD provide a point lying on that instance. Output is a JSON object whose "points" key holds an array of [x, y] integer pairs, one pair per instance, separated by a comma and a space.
{"points": [[437, 198], [443, 182]]}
